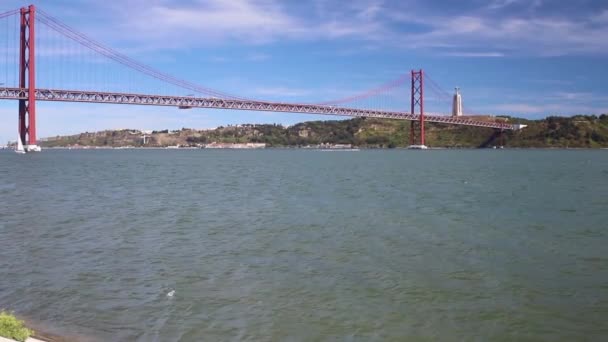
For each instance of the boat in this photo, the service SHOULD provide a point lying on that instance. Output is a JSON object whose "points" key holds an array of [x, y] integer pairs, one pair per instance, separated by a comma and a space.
{"points": [[34, 148], [19, 148], [418, 147]]}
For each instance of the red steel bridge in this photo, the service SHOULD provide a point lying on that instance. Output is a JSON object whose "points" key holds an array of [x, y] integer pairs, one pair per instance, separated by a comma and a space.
{"points": [[47, 60]]}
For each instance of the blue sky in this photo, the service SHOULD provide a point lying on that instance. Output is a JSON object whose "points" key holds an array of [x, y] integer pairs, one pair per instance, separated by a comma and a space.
{"points": [[528, 58]]}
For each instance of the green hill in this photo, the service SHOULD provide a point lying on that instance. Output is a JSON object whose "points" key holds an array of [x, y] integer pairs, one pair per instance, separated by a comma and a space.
{"points": [[581, 131]]}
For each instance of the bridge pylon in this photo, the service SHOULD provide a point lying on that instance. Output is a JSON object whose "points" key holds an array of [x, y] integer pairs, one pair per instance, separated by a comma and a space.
{"points": [[417, 102], [27, 79]]}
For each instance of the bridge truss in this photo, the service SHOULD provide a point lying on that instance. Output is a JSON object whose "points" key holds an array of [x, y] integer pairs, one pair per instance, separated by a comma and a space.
{"points": [[186, 102]]}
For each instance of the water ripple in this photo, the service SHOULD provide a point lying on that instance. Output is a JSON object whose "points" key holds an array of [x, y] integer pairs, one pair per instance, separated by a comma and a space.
{"points": [[301, 245]]}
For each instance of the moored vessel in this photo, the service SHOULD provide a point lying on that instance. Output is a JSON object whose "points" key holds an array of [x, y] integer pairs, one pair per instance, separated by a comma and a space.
{"points": [[19, 149]]}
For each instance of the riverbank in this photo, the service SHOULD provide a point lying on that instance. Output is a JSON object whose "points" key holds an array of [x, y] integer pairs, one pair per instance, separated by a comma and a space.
{"points": [[30, 339], [14, 328], [580, 131]]}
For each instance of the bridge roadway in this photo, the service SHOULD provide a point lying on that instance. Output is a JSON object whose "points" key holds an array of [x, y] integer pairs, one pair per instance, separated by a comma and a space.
{"points": [[236, 104]]}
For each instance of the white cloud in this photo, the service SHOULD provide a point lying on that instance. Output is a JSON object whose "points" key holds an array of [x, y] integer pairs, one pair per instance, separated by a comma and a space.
{"points": [[535, 36], [211, 22], [500, 4], [161, 24], [508, 27], [601, 18]]}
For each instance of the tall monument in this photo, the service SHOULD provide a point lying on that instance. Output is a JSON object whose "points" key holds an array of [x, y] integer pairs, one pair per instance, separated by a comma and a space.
{"points": [[457, 103]]}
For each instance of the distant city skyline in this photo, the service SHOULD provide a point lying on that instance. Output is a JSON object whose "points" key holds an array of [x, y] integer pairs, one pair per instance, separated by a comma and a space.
{"points": [[516, 57]]}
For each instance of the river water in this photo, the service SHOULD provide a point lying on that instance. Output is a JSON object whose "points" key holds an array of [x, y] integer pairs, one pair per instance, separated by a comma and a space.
{"points": [[301, 245]]}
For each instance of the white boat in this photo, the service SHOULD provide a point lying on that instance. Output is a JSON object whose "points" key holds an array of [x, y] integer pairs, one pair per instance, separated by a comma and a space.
{"points": [[33, 148], [418, 147], [19, 148]]}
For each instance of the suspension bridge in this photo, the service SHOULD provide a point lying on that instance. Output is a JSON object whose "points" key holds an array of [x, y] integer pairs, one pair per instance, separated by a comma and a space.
{"points": [[43, 59]]}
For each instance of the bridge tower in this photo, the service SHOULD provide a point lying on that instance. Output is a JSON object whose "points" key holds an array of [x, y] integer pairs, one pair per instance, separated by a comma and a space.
{"points": [[27, 79], [417, 101]]}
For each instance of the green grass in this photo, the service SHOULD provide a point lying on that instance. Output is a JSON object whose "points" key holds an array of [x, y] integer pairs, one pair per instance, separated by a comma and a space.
{"points": [[11, 327]]}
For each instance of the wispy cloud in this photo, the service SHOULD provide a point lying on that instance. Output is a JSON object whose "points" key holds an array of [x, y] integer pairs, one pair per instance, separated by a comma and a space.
{"points": [[211, 21], [513, 35], [496, 28], [601, 18], [499, 4]]}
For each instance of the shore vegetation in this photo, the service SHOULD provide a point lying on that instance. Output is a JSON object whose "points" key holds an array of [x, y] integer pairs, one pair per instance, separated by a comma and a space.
{"points": [[580, 131], [12, 327]]}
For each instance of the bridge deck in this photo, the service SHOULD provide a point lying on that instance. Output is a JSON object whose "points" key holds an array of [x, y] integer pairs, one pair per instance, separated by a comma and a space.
{"points": [[236, 104]]}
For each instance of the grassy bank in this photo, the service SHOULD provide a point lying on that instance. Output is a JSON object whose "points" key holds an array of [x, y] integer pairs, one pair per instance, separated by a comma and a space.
{"points": [[11, 327]]}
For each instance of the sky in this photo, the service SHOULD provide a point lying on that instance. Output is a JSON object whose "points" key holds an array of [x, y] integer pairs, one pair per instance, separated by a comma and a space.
{"points": [[526, 58]]}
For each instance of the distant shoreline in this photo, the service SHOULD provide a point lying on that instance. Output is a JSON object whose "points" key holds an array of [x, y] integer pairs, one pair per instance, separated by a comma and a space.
{"points": [[580, 132], [106, 148]]}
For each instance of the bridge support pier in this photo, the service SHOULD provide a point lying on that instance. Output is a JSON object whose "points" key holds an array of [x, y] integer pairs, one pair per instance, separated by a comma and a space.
{"points": [[417, 101], [27, 79]]}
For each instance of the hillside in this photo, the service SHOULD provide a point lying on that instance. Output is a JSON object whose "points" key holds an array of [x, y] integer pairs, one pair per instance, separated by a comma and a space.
{"points": [[576, 132]]}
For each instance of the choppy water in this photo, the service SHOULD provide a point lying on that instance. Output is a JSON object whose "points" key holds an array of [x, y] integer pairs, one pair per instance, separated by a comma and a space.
{"points": [[294, 245]]}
